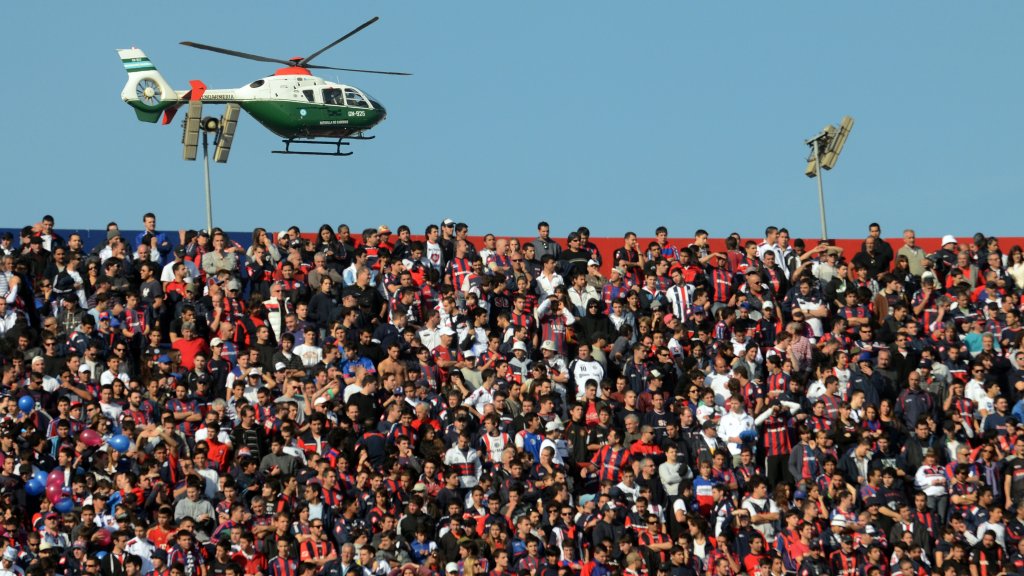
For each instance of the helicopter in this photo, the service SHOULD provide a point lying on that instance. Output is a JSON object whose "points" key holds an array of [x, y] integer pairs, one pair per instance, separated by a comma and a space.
{"points": [[292, 103]]}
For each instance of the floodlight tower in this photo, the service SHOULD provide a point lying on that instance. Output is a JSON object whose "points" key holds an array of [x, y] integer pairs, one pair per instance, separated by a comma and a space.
{"points": [[825, 148], [223, 130]]}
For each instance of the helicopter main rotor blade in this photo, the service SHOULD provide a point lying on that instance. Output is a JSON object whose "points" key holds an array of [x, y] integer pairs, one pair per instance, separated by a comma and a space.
{"points": [[237, 53], [307, 59], [357, 70]]}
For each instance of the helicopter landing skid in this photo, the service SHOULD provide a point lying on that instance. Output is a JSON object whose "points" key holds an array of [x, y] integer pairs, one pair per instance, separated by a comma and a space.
{"points": [[337, 148]]}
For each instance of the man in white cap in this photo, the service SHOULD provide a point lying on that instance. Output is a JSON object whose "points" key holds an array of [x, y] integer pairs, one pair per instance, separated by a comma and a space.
{"points": [[555, 365], [945, 257], [7, 563], [594, 277], [520, 362], [446, 356], [553, 439]]}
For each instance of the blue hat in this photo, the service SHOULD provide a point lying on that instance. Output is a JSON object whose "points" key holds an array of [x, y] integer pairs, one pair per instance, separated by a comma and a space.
{"points": [[164, 359], [865, 357]]}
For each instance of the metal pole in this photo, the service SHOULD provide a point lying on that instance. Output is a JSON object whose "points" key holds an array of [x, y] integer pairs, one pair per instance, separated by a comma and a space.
{"points": [[821, 192], [209, 201]]}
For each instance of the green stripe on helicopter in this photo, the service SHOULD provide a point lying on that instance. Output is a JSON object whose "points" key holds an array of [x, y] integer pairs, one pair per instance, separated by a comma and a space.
{"points": [[138, 64]]}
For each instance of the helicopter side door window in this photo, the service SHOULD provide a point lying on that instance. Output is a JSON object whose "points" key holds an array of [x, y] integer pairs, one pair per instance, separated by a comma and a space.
{"points": [[355, 99], [308, 94], [333, 96]]}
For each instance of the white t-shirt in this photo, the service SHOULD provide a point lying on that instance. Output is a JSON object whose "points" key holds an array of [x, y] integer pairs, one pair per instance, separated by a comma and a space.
{"points": [[311, 355], [434, 255], [350, 390], [478, 399], [585, 370], [167, 274]]}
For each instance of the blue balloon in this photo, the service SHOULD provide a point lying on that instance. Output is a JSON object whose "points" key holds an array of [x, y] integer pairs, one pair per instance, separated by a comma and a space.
{"points": [[119, 442], [27, 403], [41, 475], [64, 505], [34, 487]]}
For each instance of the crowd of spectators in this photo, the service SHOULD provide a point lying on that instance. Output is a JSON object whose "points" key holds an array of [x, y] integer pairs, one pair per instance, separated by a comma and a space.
{"points": [[372, 404]]}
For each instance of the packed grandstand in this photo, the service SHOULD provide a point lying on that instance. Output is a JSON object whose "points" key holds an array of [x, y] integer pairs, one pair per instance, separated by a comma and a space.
{"points": [[425, 402]]}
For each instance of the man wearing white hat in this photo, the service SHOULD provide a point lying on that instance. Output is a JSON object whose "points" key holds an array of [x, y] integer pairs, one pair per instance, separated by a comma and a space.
{"points": [[7, 563], [945, 257]]}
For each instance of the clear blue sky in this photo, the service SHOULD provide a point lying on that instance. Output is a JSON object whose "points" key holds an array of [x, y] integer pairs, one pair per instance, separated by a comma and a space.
{"points": [[609, 114]]}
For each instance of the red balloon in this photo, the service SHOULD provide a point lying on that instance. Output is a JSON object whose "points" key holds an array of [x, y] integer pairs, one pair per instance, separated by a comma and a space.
{"points": [[90, 437], [103, 537], [56, 476], [54, 492]]}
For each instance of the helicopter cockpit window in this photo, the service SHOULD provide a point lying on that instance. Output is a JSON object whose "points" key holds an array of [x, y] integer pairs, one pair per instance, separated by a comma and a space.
{"points": [[308, 94], [333, 96], [256, 84], [354, 99]]}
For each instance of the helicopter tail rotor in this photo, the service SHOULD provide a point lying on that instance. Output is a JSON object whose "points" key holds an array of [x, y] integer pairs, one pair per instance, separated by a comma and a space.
{"points": [[146, 89]]}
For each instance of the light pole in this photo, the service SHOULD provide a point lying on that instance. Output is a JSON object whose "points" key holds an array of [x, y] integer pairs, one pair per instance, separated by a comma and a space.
{"points": [[206, 179], [825, 148], [815, 144]]}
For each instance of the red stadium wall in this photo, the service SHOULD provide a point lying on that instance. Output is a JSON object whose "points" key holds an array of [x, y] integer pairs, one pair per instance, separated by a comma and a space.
{"points": [[850, 246]]}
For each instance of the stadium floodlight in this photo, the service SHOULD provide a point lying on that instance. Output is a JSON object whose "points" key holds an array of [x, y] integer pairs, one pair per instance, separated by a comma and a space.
{"points": [[825, 148], [228, 122], [836, 143], [190, 138]]}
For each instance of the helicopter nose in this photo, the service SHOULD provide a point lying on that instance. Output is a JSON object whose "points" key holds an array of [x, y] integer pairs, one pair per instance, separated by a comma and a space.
{"points": [[378, 106]]}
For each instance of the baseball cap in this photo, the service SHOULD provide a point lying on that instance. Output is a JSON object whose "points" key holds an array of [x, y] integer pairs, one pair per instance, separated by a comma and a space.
{"points": [[668, 318], [554, 425], [84, 368], [448, 222], [618, 270], [708, 424], [383, 229], [592, 262], [164, 359], [216, 342], [447, 331], [451, 566], [767, 305], [280, 366], [179, 250]]}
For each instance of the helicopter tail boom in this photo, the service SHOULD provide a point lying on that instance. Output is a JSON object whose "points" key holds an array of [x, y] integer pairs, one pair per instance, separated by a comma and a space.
{"points": [[146, 89]]}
